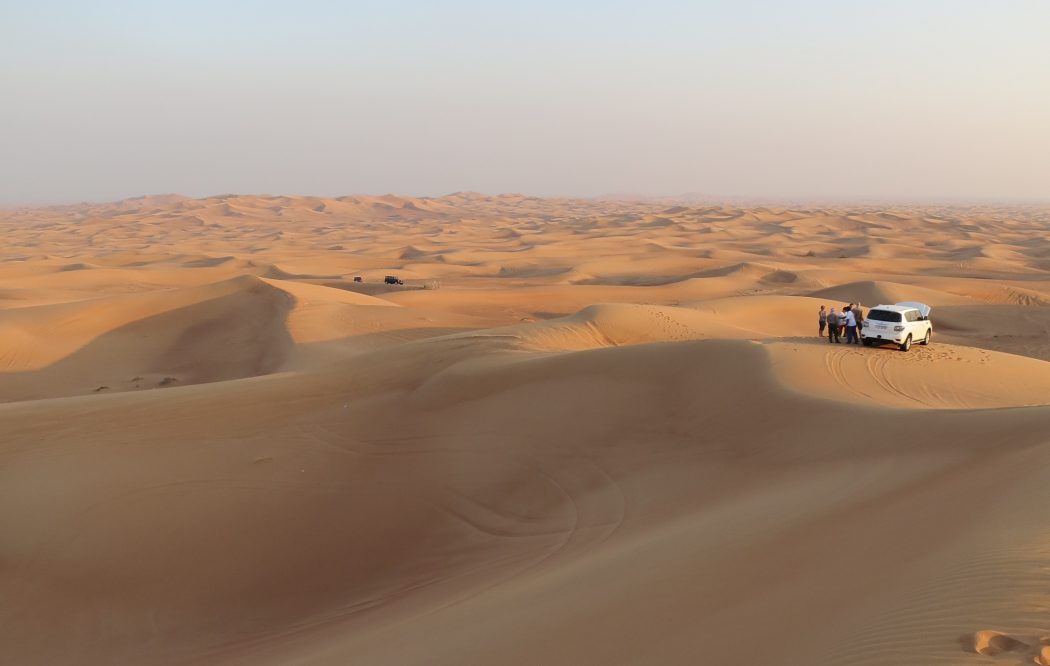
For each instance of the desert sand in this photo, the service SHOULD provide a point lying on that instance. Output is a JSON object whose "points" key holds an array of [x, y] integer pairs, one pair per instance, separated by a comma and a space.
{"points": [[582, 432]]}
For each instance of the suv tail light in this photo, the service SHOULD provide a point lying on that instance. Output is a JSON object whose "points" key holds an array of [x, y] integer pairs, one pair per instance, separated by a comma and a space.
{"points": [[898, 328]]}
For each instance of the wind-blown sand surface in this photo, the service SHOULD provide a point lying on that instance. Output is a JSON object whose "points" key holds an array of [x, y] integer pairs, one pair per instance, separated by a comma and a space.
{"points": [[583, 432]]}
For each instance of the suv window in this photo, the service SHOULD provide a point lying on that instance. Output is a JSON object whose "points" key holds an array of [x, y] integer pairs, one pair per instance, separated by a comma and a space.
{"points": [[912, 315], [884, 315]]}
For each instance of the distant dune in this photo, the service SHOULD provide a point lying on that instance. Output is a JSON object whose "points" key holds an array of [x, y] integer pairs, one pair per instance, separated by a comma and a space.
{"points": [[878, 292], [577, 432]]}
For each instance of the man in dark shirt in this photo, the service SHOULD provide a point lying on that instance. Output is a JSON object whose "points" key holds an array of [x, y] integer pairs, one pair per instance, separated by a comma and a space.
{"points": [[858, 314], [833, 326]]}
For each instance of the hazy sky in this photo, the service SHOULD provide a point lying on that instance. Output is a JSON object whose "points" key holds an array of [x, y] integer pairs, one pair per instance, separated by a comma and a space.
{"points": [[915, 99]]}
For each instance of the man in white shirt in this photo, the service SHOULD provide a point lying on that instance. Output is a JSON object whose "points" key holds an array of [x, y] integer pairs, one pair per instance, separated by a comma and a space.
{"points": [[851, 327]]}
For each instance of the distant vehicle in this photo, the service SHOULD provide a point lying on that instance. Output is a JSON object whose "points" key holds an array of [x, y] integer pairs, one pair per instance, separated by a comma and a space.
{"points": [[901, 324], [357, 278], [393, 279]]}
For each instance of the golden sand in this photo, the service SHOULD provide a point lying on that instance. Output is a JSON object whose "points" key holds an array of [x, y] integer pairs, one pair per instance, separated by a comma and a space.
{"points": [[582, 432]]}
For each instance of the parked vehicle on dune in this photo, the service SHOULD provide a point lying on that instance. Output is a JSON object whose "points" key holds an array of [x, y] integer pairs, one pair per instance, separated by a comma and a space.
{"points": [[901, 324], [393, 279]]}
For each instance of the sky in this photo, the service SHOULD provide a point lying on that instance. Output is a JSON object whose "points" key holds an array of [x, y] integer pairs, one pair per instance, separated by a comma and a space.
{"points": [[937, 100]]}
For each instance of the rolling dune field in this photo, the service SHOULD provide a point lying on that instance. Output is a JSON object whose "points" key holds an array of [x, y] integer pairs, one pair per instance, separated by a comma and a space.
{"points": [[581, 432]]}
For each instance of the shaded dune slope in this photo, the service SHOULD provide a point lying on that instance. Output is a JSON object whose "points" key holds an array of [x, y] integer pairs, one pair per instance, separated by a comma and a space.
{"points": [[223, 331]]}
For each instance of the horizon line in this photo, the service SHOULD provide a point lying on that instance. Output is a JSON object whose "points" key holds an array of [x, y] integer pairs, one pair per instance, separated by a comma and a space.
{"points": [[625, 197]]}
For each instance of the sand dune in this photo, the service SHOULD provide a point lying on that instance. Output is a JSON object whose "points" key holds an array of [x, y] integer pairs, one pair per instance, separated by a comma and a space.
{"points": [[231, 329], [582, 432], [942, 376], [877, 292]]}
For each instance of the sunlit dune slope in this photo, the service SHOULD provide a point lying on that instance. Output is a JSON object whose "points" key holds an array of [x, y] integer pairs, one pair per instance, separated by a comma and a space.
{"points": [[941, 376]]}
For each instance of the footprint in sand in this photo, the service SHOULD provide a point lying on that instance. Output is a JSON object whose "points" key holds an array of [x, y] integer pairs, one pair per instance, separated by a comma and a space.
{"points": [[998, 644]]}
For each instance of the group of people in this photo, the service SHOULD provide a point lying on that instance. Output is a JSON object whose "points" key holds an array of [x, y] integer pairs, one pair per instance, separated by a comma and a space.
{"points": [[838, 324]]}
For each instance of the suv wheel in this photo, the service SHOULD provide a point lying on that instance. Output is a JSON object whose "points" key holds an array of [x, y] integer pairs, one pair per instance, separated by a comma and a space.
{"points": [[926, 340], [906, 345]]}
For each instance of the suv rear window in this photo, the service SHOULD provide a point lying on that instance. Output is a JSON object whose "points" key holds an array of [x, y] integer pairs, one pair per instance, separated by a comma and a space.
{"points": [[884, 315]]}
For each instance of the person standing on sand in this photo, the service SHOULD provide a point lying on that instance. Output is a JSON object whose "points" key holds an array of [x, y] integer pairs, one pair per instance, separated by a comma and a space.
{"points": [[833, 326], [823, 315], [842, 321], [858, 314], [851, 326]]}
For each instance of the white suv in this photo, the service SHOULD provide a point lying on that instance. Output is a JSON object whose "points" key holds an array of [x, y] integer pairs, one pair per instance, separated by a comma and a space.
{"points": [[903, 324]]}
